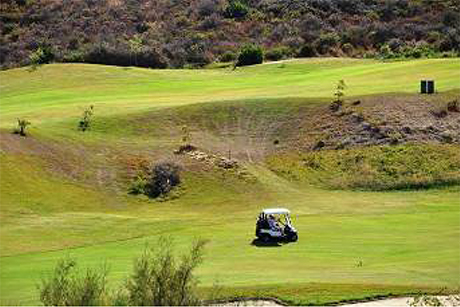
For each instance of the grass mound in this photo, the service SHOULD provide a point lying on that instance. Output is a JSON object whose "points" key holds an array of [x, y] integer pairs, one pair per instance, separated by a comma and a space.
{"points": [[374, 168]]}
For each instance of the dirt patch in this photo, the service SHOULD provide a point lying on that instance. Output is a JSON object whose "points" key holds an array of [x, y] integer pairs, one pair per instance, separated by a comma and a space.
{"points": [[445, 300], [380, 120], [250, 301]]}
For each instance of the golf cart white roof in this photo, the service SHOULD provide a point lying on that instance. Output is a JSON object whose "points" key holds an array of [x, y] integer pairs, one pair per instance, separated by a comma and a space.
{"points": [[276, 211]]}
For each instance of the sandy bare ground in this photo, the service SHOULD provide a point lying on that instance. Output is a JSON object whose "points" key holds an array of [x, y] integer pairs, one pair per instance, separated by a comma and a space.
{"points": [[391, 302]]}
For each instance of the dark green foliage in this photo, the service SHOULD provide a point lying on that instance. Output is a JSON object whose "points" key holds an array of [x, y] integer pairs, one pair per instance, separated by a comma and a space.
{"points": [[326, 42], [228, 56], [138, 185], [85, 122], [162, 179], [236, 9], [69, 287], [22, 126], [307, 51], [250, 55], [277, 54], [42, 55]]}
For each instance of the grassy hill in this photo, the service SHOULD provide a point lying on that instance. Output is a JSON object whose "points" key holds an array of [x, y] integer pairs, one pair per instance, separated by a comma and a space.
{"points": [[65, 192]]}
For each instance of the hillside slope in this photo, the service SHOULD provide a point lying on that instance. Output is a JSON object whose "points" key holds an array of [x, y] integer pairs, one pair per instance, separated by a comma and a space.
{"points": [[163, 34], [66, 192]]}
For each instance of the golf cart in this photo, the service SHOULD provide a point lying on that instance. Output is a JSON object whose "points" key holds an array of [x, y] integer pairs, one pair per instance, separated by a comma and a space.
{"points": [[275, 225]]}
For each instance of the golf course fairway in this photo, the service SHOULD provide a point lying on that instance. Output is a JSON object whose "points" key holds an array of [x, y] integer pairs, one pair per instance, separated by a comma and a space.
{"points": [[64, 192]]}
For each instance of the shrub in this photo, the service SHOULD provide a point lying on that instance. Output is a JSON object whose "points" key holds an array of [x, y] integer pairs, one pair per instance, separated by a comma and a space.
{"points": [[236, 9], [347, 48], [395, 44], [207, 7], [66, 287], [307, 51], [85, 122], [138, 185], [327, 41], [163, 178], [249, 55], [228, 56], [277, 54], [160, 279], [186, 137], [42, 55], [340, 90], [22, 126], [385, 52]]}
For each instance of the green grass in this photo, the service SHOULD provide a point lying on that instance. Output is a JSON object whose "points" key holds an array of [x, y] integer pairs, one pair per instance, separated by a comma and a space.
{"points": [[377, 168], [63, 192], [61, 90]]}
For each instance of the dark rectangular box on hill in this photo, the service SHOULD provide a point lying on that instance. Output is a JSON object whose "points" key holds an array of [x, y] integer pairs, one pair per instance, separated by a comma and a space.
{"points": [[427, 86]]}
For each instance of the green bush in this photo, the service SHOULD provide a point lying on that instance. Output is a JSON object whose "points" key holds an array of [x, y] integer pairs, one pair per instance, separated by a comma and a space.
{"points": [[68, 287], [163, 178], [42, 55], [327, 41], [22, 126], [228, 56], [307, 51], [160, 279], [85, 122], [138, 185], [236, 9], [249, 55], [277, 54]]}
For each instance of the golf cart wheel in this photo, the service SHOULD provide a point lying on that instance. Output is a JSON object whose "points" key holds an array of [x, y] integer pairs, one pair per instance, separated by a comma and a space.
{"points": [[265, 238]]}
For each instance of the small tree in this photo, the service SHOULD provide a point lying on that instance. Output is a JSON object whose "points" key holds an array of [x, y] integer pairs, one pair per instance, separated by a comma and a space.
{"points": [[85, 122], [340, 91], [163, 178], [22, 126], [249, 55], [186, 136], [338, 94]]}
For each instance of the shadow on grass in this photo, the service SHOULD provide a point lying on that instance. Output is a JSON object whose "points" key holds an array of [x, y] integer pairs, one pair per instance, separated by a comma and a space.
{"points": [[259, 243]]}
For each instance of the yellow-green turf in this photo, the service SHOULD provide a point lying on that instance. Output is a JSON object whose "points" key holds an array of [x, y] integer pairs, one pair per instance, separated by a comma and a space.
{"points": [[406, 241]]}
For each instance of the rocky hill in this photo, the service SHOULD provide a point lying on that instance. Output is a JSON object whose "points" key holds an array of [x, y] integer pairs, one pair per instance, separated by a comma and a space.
{"points": [[169, 33]]}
